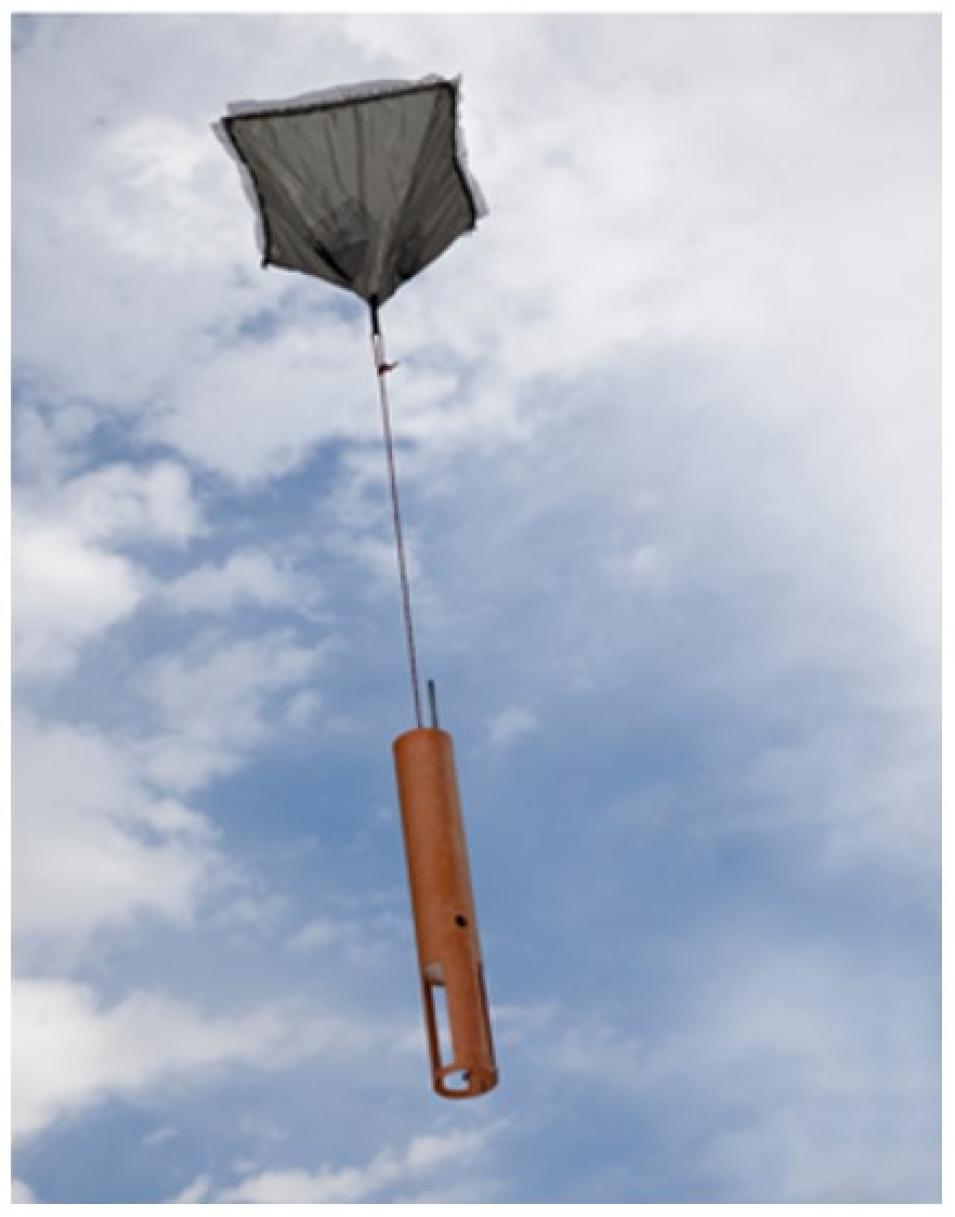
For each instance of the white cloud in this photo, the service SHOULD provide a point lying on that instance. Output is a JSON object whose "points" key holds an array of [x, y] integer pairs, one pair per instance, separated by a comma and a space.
{"points": [[515, 1024], [358, 940], [422, 1157], [832, 1052], [510, 724], [96, 848], [212, 702], [872, 795], [116, 502], [69, 586], [65, 593], [160, 1135], [195, 1192], [153, 226], [637, 569], [321, 932], [71, 1051], [480, 1188], [302, 709], [219, 688], [797, 1079], [120, 501], [151, 197], [311, 381], [21, 1193], [248, 576], [47, 444]]}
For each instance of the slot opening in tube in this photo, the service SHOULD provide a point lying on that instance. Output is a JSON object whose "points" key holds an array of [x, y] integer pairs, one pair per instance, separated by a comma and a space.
{"points": [[438, 994]]}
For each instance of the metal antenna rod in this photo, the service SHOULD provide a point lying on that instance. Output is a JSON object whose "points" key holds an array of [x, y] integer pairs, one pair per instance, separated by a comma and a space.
{"points": [[382, 368]]}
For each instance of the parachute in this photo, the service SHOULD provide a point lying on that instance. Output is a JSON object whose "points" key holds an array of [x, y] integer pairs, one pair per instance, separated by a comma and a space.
{"points": [[362, 186]]}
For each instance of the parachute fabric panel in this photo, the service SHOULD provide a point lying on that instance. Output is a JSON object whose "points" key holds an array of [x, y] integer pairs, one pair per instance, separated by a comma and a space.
{"points": [[360, 187]]}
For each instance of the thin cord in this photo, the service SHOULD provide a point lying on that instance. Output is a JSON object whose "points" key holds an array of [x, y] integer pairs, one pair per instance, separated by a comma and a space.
{"points": [[382, 368]]}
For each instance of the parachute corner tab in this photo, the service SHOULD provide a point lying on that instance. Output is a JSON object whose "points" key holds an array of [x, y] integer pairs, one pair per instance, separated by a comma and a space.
{"points": [[362, 185]]}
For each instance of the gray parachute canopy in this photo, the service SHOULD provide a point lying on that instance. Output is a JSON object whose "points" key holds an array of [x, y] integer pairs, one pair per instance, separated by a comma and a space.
{"points": [[362, 185]]}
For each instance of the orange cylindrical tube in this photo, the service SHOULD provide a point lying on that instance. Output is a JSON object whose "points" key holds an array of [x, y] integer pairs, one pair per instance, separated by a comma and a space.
{"points": [[449, 951]]}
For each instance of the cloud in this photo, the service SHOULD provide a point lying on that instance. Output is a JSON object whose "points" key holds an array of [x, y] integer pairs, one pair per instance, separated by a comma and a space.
{"points": [[128, 199], [212, 702], [795, 1079], [302, 709], [66, 593], [21, 1193], [872, 795], [422, 1157], [360, 940], [120, 846], [121, 501], [48, 443], [69, 584], [514, 1024], [246, 577], [72, 1051], [510, 724], [194, 1192], [90, 830], [637, 569], [158, 1136], [287, 392]]}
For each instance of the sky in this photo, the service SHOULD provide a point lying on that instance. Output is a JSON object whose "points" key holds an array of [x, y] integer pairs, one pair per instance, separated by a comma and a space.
{"points": [[667, 428]]}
